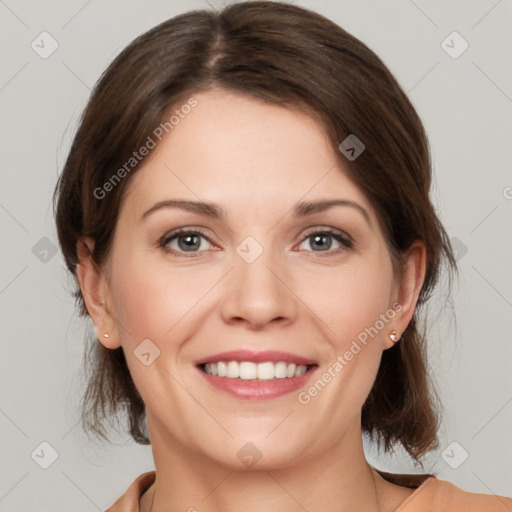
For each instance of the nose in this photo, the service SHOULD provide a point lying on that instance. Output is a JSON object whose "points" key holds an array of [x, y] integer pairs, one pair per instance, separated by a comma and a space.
{"points": [[259, 293]]}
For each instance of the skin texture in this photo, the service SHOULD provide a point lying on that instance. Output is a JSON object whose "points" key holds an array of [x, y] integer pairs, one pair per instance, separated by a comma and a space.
{"points": [[256, 161]]}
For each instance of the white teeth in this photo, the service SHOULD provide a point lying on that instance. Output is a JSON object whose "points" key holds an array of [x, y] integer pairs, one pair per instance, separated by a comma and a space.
{"points": [[266, 371], [221, 368], [233, 370], [280, 369], [300, 370], [247, 370]]}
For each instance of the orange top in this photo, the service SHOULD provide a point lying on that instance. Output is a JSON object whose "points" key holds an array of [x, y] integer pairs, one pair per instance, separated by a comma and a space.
{"points": [[431, 495]]}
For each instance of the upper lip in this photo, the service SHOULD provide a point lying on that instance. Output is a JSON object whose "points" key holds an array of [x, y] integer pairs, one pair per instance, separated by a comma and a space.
{"points": [[255, 357]]}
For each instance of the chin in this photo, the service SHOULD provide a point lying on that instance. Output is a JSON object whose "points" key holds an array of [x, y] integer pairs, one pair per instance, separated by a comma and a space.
{"points": [[246, 453]]}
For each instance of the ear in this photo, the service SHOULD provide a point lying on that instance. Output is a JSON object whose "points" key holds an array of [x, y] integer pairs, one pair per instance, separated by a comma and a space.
{"points": [[408, 288], [96, 292]]}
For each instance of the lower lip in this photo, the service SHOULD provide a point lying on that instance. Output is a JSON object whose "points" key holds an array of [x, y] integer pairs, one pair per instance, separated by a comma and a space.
{"points": [[258, 390]]}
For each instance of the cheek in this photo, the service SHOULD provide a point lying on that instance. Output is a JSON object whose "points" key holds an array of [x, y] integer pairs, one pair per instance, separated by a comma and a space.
{"points": [[139, 304], [351, 299], [154, 300]]}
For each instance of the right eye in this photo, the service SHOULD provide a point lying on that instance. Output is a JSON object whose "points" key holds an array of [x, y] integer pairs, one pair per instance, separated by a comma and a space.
{"points": [[184, 241]]}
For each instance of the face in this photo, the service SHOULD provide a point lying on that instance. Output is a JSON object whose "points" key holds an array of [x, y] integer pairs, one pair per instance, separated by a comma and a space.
{"points": [[256, 271]]}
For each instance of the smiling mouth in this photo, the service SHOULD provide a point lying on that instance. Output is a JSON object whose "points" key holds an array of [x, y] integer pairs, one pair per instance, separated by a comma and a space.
{"points": [[248, 370]]}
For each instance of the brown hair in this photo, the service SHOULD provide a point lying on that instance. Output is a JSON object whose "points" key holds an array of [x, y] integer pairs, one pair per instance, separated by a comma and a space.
{"points": [[285, 55]]}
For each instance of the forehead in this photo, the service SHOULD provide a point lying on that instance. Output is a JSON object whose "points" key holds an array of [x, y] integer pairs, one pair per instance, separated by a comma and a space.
{"points": [[236, 149]]}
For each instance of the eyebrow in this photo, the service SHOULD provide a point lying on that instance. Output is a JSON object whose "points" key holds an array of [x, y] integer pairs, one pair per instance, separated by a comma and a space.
{"points": [[302, 209], [309, 208]]}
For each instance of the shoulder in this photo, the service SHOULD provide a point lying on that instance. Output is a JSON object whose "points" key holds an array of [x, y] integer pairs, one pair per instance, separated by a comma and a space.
{"points": [[129, 501], [436, 495], [448, 496], [432, 494]]}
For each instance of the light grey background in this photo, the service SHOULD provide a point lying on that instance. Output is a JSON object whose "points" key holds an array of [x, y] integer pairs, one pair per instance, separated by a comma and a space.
{"points": [[466, 107]]}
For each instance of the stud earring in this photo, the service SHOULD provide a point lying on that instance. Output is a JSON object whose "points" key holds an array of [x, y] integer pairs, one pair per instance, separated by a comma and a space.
{"points": [[395, 337], [105, 335]]}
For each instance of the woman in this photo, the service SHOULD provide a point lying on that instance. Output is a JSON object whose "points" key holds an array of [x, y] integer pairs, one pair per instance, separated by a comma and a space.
{"points": [[246, 210]]}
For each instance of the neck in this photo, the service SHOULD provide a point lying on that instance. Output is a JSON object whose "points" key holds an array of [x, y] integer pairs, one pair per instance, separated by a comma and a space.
{"points": [[338, 479]]}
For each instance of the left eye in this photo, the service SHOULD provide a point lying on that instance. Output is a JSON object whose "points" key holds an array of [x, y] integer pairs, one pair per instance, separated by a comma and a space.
{"points": [[323, 241]]}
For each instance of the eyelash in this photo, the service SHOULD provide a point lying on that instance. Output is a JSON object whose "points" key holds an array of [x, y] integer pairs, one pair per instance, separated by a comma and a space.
{"points": [[345, 240]]}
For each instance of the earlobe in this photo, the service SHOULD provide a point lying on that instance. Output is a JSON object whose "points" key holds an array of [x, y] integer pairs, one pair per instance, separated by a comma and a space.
{"points": [[94, 288], [394, 336]]}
